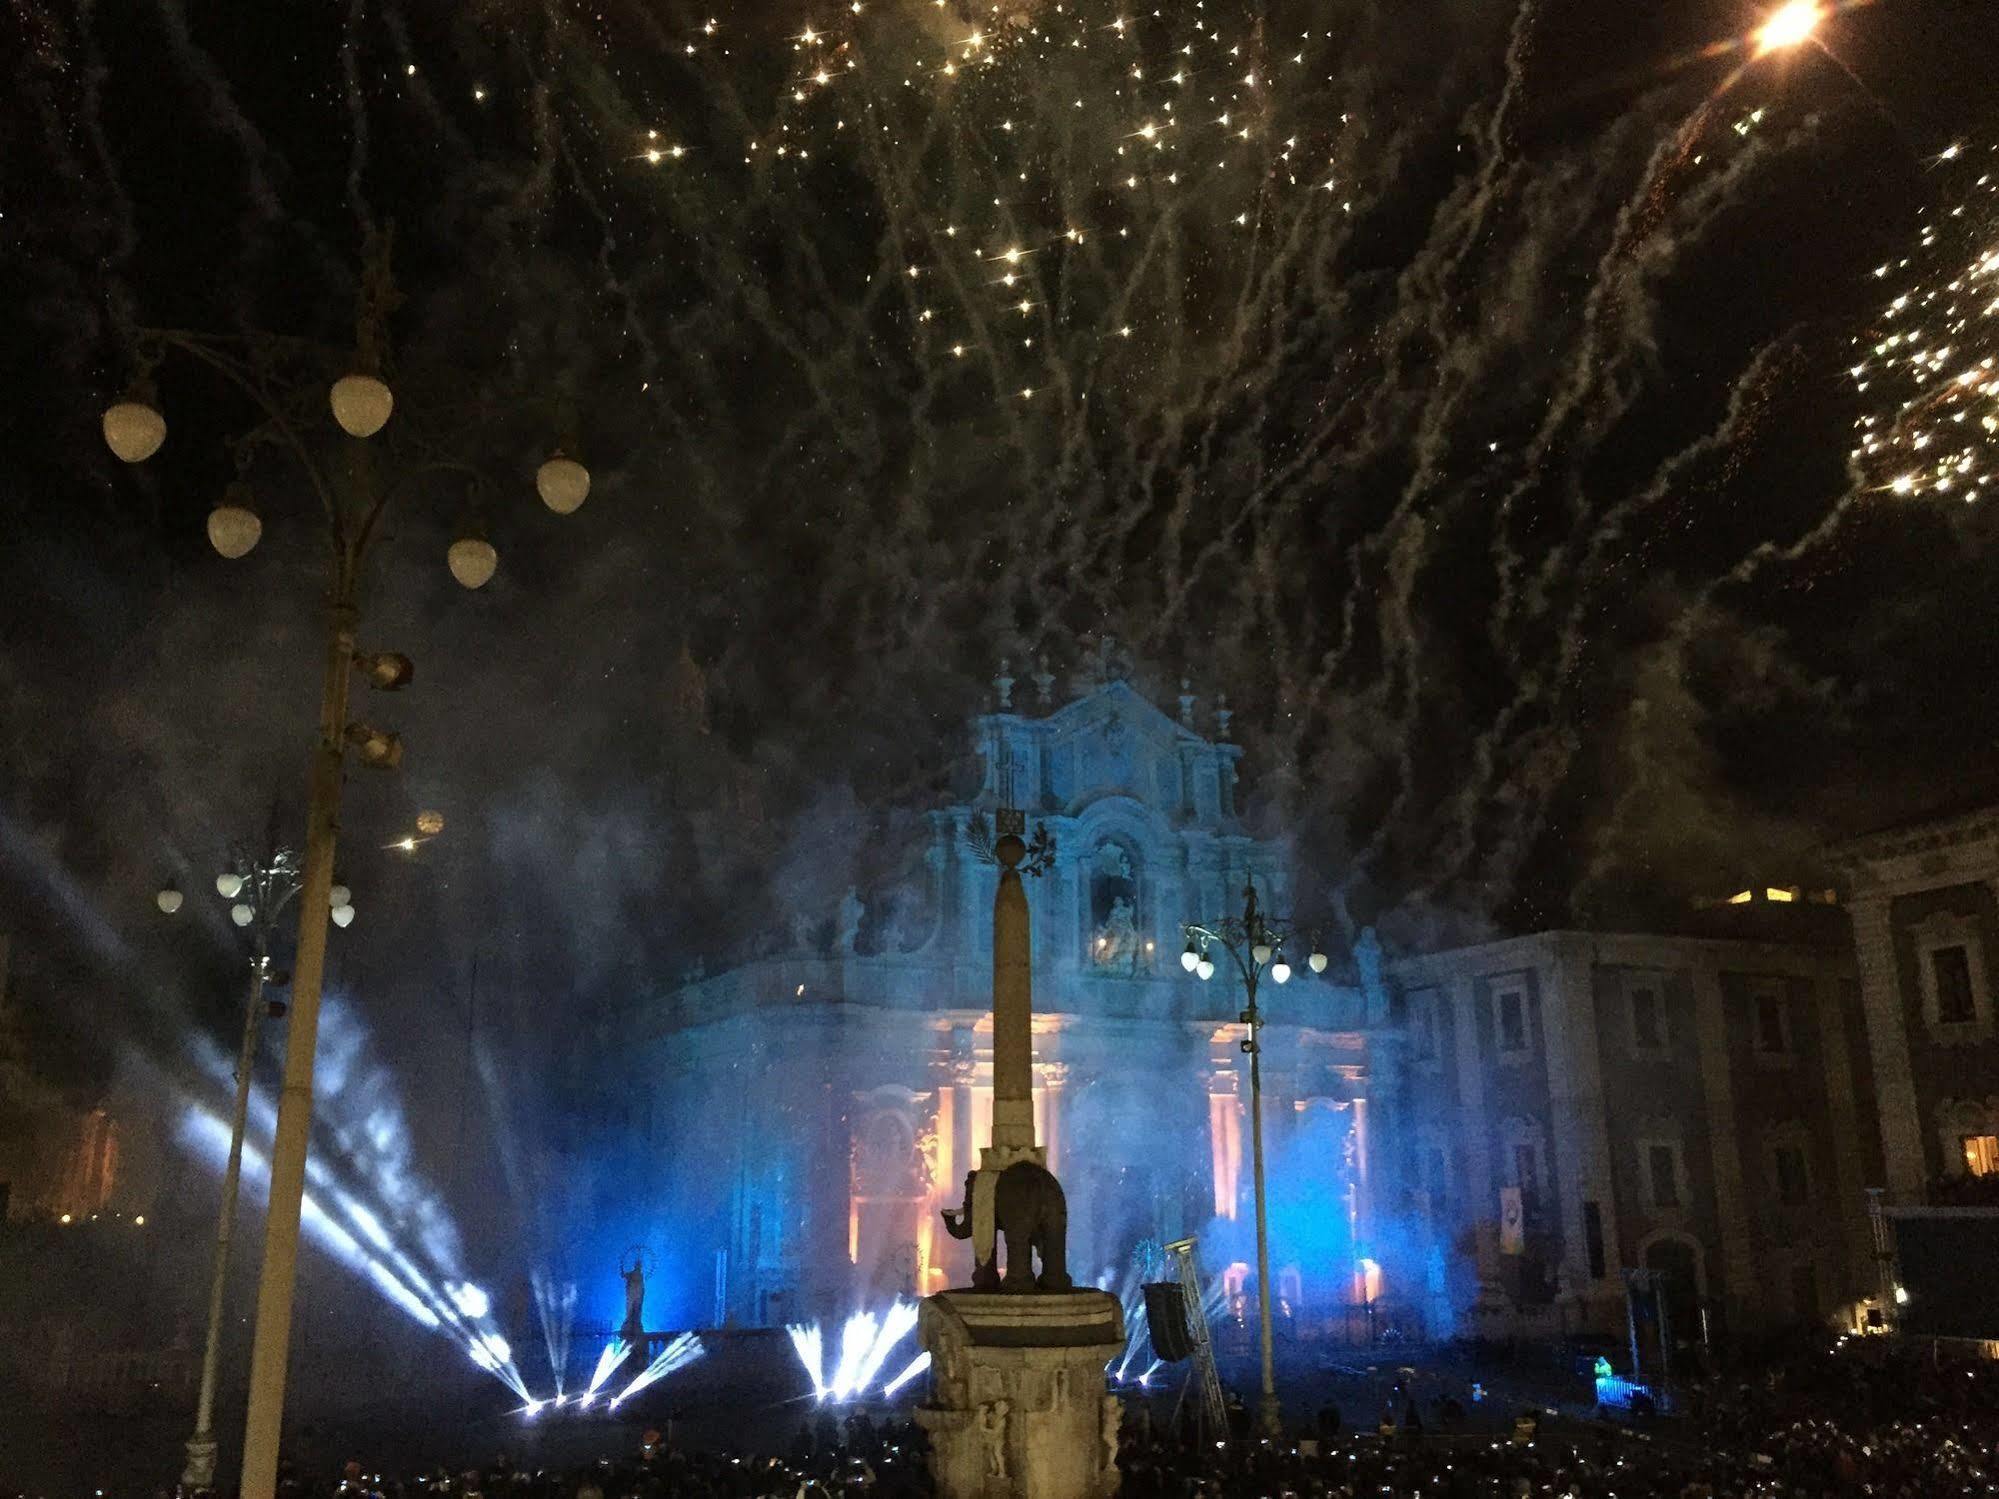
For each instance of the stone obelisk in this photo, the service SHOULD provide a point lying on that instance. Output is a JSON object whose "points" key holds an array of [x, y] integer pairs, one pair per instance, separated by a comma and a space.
{"points": [[1013, 1007], [1017, 1405]]}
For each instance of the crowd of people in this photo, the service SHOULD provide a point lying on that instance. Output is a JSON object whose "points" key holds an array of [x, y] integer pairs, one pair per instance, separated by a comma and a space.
{"points": [[1851, 1421]]}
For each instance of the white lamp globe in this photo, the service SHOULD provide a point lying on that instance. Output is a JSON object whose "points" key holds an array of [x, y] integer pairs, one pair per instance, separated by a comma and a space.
{"points": [[241, 914], [233, 526], [563, 483], [1190, 959], [1260, 952], [1317, 962], [134, 431], [339, 895], [1205, 968], [168, 900], [228, 885], [361, 404], [342, 915], [472, 561], [1281, 970]]}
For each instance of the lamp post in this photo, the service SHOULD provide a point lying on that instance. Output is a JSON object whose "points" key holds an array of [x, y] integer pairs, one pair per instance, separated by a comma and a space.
{"points": [[287, 380], [1256, 946], [261, 889]]}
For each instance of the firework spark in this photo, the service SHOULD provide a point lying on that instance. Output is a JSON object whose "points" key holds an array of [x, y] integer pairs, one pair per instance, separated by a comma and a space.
{"points": [[1929, 368]]}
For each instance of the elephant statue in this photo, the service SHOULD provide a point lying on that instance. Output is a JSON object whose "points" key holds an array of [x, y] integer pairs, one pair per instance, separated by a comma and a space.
{"points": [[1030, 1213]]}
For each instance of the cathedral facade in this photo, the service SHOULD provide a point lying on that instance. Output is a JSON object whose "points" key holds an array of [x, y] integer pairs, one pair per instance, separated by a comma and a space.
{"points": [[1483, 1140], [855, 1075]]}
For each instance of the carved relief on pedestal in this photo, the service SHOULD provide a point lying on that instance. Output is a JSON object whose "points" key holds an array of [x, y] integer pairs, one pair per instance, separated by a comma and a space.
{"points": [[992, 1437]]}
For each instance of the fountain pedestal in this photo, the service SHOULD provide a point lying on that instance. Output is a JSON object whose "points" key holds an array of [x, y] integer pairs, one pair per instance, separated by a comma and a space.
{"points": [[1017, 1406]]}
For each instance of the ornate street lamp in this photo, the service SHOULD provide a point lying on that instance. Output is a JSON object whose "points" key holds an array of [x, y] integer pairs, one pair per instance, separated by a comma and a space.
{"points": [[294, 384], [1255, 943], [261, 889]]}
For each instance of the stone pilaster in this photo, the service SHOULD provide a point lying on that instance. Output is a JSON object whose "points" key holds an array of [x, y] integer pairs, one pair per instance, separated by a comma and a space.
{"points": [[1580, 1137], [1724, 1136], [1888, 1043]]}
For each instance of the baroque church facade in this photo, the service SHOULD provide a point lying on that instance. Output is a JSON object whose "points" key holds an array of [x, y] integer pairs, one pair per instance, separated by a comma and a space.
{"points": [[1479, 1140]]}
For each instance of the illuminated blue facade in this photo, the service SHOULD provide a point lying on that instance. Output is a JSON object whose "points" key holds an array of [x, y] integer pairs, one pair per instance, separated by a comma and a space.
{"points": [[814, 1107]]}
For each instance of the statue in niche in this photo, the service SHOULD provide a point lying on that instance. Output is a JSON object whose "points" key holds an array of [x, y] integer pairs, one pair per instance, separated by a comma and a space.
{"points": [[1115, 945], [1117, 940]]}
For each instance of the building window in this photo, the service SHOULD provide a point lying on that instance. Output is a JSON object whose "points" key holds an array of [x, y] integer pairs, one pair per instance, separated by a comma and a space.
{"points": [[1437, 1177], [1511, 1007], [1773, 1031], [1424, 1026], [1794, 1183], [1648, 1024], [1805, 1293], [1527, 1177], [1981, 1154], [1662, 1164], [1593, 1238], [1950, 967]]}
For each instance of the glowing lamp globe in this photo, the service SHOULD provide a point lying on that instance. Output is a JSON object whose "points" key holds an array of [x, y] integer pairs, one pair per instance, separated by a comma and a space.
{"points": [[228, 886], [361, 404], [241, 914], [1789, 25], [1205, 968], [168, 900], [1260, 952], [134, 431], [1281, 970], [472, 561], [339, 895], [1317, 962], [1191, 958], [430, 824], [342, 915], [563, 484], [233, 527]]}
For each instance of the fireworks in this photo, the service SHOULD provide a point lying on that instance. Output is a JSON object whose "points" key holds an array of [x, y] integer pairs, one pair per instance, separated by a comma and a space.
{"points": [[1929, 368]]}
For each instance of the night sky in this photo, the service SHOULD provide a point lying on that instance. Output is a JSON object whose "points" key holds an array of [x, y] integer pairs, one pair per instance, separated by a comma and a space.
{"points": [[1473, 407]]}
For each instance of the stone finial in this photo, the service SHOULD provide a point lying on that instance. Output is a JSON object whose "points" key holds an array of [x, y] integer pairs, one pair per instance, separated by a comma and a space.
{"points": [[1186, 702], [1044, 684], [1222, 716], [1003, 686]]}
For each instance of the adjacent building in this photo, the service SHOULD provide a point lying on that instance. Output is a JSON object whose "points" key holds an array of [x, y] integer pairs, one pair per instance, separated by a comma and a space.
{"points": [[1925, 905]]}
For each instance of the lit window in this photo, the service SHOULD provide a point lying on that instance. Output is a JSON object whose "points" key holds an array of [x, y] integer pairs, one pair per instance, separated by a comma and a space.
{"points": [[1951, 968], [1981, 1154], [1647, 1033]]}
